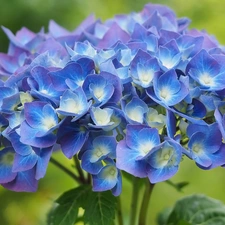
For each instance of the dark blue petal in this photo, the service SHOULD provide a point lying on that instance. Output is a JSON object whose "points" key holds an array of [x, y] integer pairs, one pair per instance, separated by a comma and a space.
{"points": [[72, 141], [24, 182], [42, 162]]}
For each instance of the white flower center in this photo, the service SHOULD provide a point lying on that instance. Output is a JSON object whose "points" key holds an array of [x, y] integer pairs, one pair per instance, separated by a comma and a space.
{"points": [[73, 106], [146, 76], [146, 147], [197, 148], [44, 91], [136, 114], [48, 123], [206, 79], [98, 92], [101, 116], [165, 93]]}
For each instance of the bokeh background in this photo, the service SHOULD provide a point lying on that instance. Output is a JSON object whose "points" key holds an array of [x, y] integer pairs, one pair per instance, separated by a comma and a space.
{"points": [[32, 208]]}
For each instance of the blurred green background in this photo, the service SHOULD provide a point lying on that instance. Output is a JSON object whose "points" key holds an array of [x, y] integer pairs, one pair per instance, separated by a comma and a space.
{"points": [[32, 208]]}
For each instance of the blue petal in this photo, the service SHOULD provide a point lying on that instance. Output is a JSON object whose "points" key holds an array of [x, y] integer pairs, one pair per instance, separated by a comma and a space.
{"points": [[23, 163], [101, 94], [73, 103], [10, 103], [42, 162], [114, 34], [142, 139], [221, 121], [33, 113], [206, 71], [210, 136], [135, 109], [169, 89], [126, 160], [24, 182], [170, 124], [168, 79], [162, 174], [72, 140], [106, 179], [87, 165], [14, 119], [6, 163], [41, 117], [198, 149], [116, 191], [169, 55], [28, 137], [72, 71], [19, 147], [152, 95]]}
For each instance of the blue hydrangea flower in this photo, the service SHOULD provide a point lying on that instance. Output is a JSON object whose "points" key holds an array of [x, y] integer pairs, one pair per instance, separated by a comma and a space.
{"points": [[72, 74], [169, 55], [168, 89], [74, 103], [164, 161], [71, 136], [132, 93], [206, 145], [131, 153], [101, 148], [135, 110], [102, 88], [40, 122], [205, 70], [108, 178], [41, 85]]}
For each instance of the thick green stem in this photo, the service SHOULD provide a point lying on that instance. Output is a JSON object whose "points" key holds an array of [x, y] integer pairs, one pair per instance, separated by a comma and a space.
{"points": [[134, 201], [79, 169], [145, 203], [63, 168], [119, 212]]}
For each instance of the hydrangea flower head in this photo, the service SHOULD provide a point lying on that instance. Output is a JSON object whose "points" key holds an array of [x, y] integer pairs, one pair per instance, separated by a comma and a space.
{"points": [[136, 93]]}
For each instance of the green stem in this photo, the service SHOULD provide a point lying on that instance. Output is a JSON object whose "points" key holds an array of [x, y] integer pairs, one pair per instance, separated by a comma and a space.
{"points": [[89, 178], [145, 203], [79, 169], [63, 168], [134, 201], [119, 212]]}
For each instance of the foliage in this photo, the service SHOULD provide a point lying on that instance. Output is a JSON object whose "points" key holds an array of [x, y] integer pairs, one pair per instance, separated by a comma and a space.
{"points": [[99, 207], [193, 210]]}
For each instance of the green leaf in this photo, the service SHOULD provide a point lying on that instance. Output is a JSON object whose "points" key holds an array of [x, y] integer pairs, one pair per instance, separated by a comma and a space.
{"points": [[65, 213], [182, 222], [178, 186], [197, 209], [101, 208], [163, 216]]}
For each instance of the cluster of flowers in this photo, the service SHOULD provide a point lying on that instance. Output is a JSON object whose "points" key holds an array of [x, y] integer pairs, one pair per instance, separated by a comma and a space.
{"points": [[134, 93]]}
